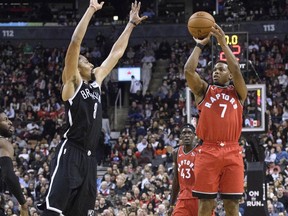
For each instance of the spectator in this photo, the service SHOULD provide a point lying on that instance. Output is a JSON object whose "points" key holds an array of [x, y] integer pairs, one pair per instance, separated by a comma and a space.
{"points": [[171, 141], [142, 145], [278, 206], [33, 131], [130, 159], [160, 150], [135, 85], [102, 205], [271, 210], [120, 188], [281, 156], [283, 198], [104, 189], [147, 154]]}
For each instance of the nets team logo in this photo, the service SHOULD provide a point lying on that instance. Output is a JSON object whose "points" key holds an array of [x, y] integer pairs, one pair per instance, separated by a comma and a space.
{"points": [[91, 212]]}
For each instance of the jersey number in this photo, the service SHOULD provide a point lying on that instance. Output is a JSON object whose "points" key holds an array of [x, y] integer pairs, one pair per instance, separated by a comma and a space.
{"points": [[185, 173], [224, 106], [95, 110]]}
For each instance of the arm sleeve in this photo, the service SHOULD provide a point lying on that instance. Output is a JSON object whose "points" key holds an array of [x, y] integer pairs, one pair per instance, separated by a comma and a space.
{"points": [[10, 179]]}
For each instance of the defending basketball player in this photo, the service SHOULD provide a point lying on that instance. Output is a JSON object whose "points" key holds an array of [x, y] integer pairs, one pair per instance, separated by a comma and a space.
{"points": [[6, 165], [72, 189], [219, 163]]}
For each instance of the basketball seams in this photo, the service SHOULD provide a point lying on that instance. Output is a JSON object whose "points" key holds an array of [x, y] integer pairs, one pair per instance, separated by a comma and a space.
{"points": [[202, 23], [191, 18], [200, 27]]}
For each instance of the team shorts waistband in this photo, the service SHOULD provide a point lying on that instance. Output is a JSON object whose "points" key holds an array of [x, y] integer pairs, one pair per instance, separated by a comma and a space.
{"points": [[88, 152], [220, 143]]}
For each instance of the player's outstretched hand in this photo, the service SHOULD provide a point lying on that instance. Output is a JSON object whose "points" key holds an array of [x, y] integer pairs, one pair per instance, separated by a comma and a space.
{"points": [[217, 32], [97, 6], [134, 13]]}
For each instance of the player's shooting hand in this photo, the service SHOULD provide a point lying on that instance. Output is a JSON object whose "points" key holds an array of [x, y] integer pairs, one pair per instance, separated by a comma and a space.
{"points": [[203, 41], [134, 13], [217, 32], [94, 4]]}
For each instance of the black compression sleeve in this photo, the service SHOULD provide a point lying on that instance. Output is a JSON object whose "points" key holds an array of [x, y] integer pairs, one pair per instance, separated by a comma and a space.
{"points": [[10, 179]]}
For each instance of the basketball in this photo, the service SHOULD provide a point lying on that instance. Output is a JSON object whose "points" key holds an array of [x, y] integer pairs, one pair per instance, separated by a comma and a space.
{"points": [[200, 23]]}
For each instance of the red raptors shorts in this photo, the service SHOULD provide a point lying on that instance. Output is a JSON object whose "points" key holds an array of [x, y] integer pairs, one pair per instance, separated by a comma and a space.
{"points": [[219, 168], [186, 207]]}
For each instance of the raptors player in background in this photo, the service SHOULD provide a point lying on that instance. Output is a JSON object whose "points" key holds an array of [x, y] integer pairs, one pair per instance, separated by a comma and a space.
{"points": [[219, 163], [183, 180], [72, 190]]}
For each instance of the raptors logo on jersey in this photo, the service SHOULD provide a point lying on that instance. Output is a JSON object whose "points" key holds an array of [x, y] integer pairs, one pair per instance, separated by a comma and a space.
{"points": [[220, 115], [186, 176]]}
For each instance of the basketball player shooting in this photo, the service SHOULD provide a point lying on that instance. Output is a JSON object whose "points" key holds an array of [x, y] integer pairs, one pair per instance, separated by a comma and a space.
{"points": [[219, 164]]}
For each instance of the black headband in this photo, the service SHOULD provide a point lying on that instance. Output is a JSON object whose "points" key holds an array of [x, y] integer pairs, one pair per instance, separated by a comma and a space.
{"points": [[187, 125]]}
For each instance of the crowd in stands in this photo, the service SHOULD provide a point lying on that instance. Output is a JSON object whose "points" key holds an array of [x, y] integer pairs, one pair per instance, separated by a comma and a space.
{"points": [[139, 162], [67, 14]]}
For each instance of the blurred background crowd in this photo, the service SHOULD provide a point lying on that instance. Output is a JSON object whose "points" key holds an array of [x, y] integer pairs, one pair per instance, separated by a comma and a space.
{"points": [[66, 12], [139, 163]]}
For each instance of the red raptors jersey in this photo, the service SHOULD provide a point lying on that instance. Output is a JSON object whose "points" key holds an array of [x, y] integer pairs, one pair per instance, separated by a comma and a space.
{"points": [[186, 176], [220, 115]]}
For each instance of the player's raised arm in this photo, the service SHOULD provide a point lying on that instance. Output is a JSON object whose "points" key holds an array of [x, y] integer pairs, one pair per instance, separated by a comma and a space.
{"points": [[71, 77], [232, 63], [197, 85], [120, 45]]}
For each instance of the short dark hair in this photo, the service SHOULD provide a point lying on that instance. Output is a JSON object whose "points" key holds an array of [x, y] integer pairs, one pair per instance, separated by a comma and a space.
{"points": [[187, 125], [221, 61]]}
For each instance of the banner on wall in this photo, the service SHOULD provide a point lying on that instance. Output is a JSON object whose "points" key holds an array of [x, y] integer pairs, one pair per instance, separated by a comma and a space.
{"points": [[256, 200]]}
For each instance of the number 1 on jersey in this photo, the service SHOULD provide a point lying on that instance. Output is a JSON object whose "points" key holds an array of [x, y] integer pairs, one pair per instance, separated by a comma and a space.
{"points": [[95, 110]]}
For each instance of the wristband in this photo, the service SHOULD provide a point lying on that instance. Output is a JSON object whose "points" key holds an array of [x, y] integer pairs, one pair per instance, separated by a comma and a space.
{"points": [[134, 23], [201, 46]]}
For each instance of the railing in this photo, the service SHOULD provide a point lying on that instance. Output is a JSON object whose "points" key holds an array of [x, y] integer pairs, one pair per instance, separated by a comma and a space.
{"points": [[118, 98]]}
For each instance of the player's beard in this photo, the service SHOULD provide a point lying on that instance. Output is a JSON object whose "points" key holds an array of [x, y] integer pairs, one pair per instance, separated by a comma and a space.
{"points": [[6, 133]]}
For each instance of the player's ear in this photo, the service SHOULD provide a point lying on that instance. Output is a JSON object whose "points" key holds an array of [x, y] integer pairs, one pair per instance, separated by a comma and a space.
{"points": [[230, 76]]}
